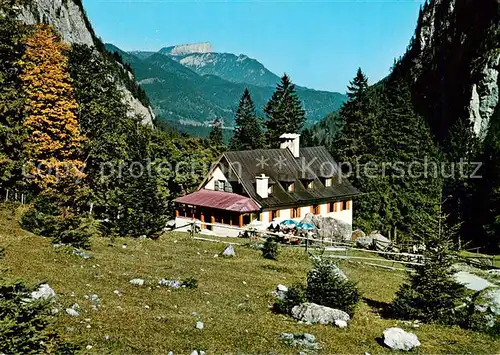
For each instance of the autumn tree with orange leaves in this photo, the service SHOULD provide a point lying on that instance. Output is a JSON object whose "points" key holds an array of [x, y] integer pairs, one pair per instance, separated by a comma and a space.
{"points": [[54, 140]]}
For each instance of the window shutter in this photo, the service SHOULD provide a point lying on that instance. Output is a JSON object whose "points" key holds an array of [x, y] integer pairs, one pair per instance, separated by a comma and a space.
{"points": [[348, 205], [335, 207]]}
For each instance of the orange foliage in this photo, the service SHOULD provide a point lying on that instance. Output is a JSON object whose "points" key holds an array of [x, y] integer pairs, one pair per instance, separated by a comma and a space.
{"points": [[54, 139]]}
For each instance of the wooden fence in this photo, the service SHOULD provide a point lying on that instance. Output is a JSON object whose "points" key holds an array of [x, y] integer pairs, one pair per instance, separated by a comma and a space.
{"points": [[320, 247]]}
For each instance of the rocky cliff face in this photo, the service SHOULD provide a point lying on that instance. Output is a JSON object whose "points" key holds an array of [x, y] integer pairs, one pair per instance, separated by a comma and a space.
{"points": [[66, 16], [69, 19], [455, 62], [183, 49]]}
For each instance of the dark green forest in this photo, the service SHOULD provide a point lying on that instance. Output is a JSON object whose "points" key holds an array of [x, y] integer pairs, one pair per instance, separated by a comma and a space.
{"points": [[420, 111]]}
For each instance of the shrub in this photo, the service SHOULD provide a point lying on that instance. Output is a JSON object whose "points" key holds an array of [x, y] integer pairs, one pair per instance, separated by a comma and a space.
{"points": [[295, 295], [270, 249], [190, 283], [25, 326], [327, 286], [48, 219]]}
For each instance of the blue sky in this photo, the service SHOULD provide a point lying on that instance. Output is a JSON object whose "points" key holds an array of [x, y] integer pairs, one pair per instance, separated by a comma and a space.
{"points": [[320, 44]]}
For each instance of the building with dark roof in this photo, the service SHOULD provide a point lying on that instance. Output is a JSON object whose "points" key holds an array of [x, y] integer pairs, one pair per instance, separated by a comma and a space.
{"points": [[267, 184]]}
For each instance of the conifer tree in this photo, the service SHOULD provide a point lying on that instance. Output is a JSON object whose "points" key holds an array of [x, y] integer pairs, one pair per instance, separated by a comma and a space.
{"points": [[12, 131], [103, 119], [215, 138], [284, 112], [54, 139], [431, 293], [357, 120], [461, 149], [248, 134]]}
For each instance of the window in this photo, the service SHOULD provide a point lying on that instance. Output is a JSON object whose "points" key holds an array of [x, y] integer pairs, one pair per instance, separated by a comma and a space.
{"points": [[308, 184], [291, 187], [295, 212], [273, 215], [343, 206], [328, 182], [270, 189], [315, 209], [220, 185], [334, 206]]}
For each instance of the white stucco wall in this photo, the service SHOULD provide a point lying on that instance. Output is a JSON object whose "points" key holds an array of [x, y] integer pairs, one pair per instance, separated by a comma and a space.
{"points": [[216, 175]]}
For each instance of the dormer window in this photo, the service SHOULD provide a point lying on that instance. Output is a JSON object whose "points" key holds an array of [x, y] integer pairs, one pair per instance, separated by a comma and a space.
{"points": [[328, 182], [308, 184], [288, 186], [270, 189]]}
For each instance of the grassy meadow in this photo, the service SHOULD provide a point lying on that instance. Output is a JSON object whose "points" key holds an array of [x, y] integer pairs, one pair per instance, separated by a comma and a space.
{"points": [[233, 298]]}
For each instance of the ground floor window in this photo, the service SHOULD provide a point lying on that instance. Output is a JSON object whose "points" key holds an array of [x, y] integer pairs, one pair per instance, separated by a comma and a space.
{"points": [[295, 212]]}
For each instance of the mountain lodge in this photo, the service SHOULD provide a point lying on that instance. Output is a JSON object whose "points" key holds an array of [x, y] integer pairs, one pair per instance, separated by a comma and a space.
{"points": [[268, 184]]}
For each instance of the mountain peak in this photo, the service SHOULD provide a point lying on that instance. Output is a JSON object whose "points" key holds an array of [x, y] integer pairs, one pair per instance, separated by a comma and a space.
{"points": [[184, 49]]}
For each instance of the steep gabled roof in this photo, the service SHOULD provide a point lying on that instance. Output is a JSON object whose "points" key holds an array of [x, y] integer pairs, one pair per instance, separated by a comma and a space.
{"points": [[314, 164]]}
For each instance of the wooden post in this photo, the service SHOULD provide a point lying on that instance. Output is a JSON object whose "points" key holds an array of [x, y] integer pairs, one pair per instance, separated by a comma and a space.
{"points": [[212, 220], [176, 212], [241, 221], [202, 218]]}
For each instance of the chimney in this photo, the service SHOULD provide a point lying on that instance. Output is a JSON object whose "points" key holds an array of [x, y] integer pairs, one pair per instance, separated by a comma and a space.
{"points": [[292, 142], [262, 185]]}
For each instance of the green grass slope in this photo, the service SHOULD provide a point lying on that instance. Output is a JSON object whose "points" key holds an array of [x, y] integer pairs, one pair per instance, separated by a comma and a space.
{"points": [[232, 298]]}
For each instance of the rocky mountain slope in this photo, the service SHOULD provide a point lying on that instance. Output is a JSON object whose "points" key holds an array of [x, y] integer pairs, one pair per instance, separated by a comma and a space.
{"points": [[200, 58], [69, 19], [455, 62], [183, 96]]}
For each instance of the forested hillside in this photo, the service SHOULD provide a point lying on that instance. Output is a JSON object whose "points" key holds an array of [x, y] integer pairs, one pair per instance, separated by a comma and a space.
{"points": [[70, 145], [193, 89], [440, 104], [71, 23]]}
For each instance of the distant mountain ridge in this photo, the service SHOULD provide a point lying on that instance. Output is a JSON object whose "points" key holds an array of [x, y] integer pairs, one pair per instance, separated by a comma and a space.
{"points": [[192, 86]]}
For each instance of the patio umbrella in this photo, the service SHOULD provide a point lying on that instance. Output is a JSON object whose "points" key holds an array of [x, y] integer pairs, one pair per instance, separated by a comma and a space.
{"points": [[305, 226], [289, 223]]}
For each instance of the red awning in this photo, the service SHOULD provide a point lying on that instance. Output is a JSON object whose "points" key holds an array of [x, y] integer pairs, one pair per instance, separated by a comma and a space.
{"points": [[220, 200]]}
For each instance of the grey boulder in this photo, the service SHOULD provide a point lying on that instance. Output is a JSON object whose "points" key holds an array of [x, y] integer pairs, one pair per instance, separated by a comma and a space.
{"points": [[137, 282], [329, 228], [398, 339], [486, 309], [44, 292], [229, 251], [314, 313], [280, 292]]}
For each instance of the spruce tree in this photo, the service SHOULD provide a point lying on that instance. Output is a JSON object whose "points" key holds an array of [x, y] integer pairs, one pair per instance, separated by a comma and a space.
{"points": [[103, 119], [215, 137], [431, 293], [461, 149], [284, 112], [248, 133], [357, 121], [54, 139], [12, 130]]}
